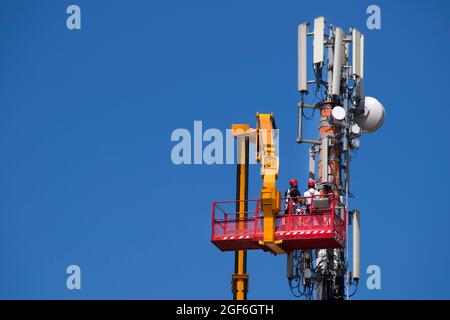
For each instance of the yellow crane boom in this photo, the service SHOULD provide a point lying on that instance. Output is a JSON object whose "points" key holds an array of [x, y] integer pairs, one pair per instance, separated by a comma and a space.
{"points": [[270, 195]]}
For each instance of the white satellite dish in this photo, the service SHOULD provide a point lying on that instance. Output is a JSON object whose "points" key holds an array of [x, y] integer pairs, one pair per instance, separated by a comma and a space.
{"points": [[338, 113], [372, 118]]}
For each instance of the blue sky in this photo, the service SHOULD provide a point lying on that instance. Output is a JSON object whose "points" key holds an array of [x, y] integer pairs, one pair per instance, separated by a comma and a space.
{"points": [[86, 116]]}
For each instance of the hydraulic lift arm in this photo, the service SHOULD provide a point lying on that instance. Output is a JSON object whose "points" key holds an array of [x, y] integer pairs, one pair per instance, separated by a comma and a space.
{"points": [[270, 195]]}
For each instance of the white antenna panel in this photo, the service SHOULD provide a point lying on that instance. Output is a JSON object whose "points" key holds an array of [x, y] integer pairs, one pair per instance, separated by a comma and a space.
{"points": [[337, 61], [302, 58], [319, 29], [362, 56], [358, 53]]}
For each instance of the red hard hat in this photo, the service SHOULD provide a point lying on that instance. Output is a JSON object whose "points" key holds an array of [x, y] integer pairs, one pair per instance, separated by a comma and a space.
{"points": [[311, 183], [293, 182]]}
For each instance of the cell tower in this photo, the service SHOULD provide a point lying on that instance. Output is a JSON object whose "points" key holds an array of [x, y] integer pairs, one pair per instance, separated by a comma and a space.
{"points": [[345, 114], [311, 230]]}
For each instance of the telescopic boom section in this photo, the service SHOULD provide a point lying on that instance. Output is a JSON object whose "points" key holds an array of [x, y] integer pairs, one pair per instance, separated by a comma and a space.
{"points": [[270, 195]]}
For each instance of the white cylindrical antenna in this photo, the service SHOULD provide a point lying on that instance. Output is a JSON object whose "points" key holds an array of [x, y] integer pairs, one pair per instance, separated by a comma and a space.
{"points": [[361, 61], [358, 65], [357, 53], [324, 158], [302, 58], [361, 69], [337, 61], [356, 245], [319, 30]]}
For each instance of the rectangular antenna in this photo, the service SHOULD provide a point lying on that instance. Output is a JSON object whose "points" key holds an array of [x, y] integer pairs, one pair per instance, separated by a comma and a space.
{"points": [[358, 53], [356, 245], [319, 30], [324, 158], [337, 61], [302, 61], [358, 65], [362, 56]]}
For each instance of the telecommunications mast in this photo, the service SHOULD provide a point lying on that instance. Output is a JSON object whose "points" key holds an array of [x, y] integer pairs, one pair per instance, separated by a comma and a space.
{"points": [[345, 114], [312, 230]]}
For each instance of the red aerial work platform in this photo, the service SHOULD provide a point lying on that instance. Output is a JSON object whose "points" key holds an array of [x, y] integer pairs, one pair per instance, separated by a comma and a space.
{"points": [[320, 225]]}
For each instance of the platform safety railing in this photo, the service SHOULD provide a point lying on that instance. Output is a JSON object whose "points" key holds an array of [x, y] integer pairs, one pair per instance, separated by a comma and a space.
{"points": [[232, 222], [295, 214]]}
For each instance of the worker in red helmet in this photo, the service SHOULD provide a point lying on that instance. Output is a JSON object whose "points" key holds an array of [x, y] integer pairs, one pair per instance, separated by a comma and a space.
{"points": [[292, 196], [310, 194]]}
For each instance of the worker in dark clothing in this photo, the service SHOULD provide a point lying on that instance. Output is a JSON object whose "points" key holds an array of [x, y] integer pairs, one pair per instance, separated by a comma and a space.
{"points": [[292, 196]]}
